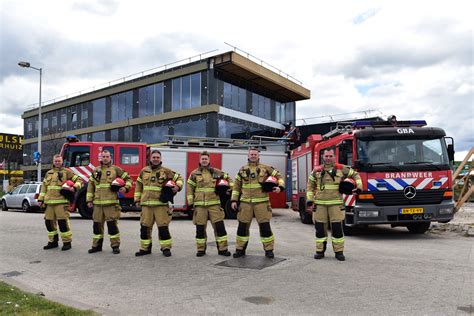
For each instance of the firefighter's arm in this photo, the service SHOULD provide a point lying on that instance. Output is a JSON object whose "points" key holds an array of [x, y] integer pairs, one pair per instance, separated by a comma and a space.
{"points": [[91, 190], [74, 178], [237, 188], [126, 177], [275, 173], [310, 188], [351, 173], [44, 188], [137, 196], [231, 182], [190, 189], [178, 179]]}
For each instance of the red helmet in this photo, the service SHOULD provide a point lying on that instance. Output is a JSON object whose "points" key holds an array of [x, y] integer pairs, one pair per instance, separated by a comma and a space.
{"points": [[167, 193], [347, 186], [66, 192], [222, 185], [117, 184], [269, 183]]}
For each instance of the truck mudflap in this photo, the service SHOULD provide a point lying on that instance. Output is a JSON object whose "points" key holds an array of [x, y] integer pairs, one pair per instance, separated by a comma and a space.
{"points": [[372, 214]]}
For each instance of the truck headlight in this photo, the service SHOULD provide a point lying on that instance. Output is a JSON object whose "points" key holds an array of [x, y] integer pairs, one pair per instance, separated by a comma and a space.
{"points": [[368, 213], [444, 211]]}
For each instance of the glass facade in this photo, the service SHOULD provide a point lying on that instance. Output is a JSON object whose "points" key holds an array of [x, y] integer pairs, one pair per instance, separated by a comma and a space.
{"points": [[182, 93]]}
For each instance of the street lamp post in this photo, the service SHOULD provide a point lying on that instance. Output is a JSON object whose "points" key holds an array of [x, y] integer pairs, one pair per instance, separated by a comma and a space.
{"points": [[25, 64]]}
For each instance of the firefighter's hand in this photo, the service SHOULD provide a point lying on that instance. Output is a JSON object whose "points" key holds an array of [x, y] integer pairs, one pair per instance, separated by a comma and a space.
{"points": [[228, 192], [356, 191], [40, 203], [276, 190], [90, 205], [191, 207], [123, 190], [233, 206], [175, 189], [137, 204]]}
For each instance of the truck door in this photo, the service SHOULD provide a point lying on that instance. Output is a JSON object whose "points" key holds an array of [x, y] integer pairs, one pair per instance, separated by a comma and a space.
{"points": [[345, 152]]}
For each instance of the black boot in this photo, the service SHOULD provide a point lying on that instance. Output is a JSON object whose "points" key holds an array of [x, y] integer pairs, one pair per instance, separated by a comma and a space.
{"points": [[142, 252], [269, 254], [319, 255], [239, 253], [340, 256], [66, 246], [115, 250], [94, 249], [225, 253], [166, 252], [200, 253], [52, 244]]}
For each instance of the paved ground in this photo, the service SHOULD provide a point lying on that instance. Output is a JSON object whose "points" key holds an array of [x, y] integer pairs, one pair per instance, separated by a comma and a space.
{"points": [[388, 271]]}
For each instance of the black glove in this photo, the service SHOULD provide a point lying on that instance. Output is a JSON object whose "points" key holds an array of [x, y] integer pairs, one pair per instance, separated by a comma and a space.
{"points": [[309, 203]]}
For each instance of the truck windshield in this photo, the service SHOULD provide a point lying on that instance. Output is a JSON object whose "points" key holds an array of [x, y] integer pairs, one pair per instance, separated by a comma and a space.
{"points": [[403, 153], [75, 156]]}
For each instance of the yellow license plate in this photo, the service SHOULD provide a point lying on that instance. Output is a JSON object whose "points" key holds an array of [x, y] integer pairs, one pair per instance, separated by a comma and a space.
{"points": [[412, 210]]}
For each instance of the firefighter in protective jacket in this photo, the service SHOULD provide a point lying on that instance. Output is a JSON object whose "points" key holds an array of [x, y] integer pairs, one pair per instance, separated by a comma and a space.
{"points": [[57, 180], [151, 196], [322, 189], [251, 188], [202, 196], [102, 196]]}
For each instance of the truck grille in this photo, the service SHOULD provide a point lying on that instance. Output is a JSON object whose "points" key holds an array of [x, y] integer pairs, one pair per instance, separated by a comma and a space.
{"points": [[388, 198]]}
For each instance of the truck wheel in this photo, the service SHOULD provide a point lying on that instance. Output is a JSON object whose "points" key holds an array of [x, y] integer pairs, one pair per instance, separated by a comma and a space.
{"points": [[304, 216], [82, 207], [418, 228], [229, 213]]}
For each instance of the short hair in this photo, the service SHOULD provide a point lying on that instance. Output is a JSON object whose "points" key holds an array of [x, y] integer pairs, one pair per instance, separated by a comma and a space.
{"points": [[204, 153], [106, 152], [254, 148], [57, 156], [155, 151], [330, 149]]}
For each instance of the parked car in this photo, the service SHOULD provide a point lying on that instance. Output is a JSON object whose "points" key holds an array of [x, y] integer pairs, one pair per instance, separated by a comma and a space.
{"points": [[22, 197]]}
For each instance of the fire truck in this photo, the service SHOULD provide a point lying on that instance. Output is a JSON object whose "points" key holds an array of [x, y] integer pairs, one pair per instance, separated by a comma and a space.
{"points": [[178, 153], [404, 166]]}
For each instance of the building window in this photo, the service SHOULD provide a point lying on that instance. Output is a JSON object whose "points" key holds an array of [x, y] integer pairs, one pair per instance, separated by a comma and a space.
{"points": [[98, 136], [122, 106], [185, 92], [98, 112], [153, 133], [73, 120], [176, 94], [195, 90], [85, 115]]}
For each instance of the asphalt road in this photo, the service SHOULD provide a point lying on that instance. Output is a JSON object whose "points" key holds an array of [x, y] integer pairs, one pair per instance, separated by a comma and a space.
{"points": [[387, 271]]}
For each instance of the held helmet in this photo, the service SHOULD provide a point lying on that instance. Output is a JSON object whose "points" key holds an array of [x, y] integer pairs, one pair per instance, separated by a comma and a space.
{"points": [[117, 184], [66, 192], [269, 183], [222, 185], [167, 193], [347, 186]]}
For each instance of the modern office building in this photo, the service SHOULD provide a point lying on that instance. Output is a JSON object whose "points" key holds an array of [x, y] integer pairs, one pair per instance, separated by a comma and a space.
{"points": [[225, 95]]}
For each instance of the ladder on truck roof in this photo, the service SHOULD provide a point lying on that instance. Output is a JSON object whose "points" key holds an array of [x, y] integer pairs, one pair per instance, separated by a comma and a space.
{"points": [[260, 142]]}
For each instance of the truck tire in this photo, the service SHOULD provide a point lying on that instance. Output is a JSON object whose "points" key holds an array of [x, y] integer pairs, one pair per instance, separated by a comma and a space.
{"points": [[418, 228], [4, 206], [304, 216], [82, 206]]}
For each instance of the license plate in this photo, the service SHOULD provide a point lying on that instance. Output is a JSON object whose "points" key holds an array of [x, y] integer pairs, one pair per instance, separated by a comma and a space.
{"points": [[411, 210]]}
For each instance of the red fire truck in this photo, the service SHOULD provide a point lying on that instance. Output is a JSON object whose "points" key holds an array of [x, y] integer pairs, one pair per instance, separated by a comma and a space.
{"points": [[179, 153], [404, 166]]}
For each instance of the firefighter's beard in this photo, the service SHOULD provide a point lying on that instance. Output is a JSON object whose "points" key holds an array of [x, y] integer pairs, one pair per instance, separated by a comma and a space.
{"points": [[155, 165]]}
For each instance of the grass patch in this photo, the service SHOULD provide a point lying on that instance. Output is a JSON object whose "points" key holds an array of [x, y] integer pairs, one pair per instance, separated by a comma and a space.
{"points": [[16, 302]]}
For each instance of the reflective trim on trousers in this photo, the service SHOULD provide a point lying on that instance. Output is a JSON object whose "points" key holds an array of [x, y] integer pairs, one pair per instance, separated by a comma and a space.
{"points": [[201, 241], [321, 239], [268, 239], [242, 238], [166, 242], [337, 240], [98, 236], [328, 202], [114, 236], [221, 238]]}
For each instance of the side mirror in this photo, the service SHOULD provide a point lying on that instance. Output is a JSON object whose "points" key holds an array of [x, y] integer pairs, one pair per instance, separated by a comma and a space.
{"points": [[450, 152]]}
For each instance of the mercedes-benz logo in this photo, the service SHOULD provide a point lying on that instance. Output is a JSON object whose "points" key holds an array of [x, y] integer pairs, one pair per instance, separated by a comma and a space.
{"points": [[409, 192]]}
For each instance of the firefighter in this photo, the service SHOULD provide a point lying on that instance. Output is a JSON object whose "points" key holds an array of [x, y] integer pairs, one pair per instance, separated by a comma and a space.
{"points": [[203, 196], [322, 189], [156, 186], [57, 189], [104, 183], [251, 187]]}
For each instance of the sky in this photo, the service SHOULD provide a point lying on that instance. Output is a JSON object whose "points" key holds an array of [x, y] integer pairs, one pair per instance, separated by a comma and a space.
{"points": [[413, 59]]}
